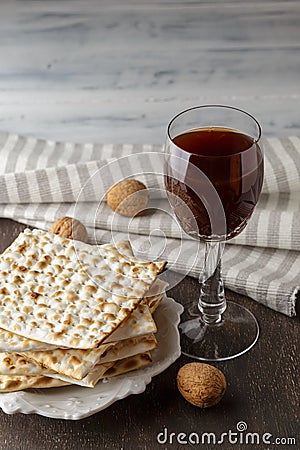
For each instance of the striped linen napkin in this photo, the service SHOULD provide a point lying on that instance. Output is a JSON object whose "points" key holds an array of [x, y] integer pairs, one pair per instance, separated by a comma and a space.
{"points": [[42, 180]]}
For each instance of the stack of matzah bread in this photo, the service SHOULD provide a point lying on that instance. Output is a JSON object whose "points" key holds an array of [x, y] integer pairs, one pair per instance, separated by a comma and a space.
{"points": [[73, 314]]}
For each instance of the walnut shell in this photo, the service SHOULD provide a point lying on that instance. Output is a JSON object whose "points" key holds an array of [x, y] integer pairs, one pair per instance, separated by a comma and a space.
{"points": [[70, 228], [128, 197], [201, 384]]}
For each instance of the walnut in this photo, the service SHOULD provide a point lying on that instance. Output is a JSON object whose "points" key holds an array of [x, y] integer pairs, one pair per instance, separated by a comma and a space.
{"points": [[70, 228], [128, 197], [201, 384]]}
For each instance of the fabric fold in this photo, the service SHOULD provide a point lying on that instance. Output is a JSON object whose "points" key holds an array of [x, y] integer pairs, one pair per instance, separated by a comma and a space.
{"points": [[42, 180]]}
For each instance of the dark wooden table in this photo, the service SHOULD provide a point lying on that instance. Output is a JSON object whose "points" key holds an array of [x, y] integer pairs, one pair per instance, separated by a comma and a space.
{"points": [[263, 391]]}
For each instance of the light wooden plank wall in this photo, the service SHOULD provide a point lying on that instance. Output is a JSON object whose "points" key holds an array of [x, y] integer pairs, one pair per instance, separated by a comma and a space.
{"points": [[117, 71]]}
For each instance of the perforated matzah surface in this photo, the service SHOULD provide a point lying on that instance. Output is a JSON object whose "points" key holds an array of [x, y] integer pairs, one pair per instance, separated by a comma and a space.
{"points": [[12, 383], [14, 364], [76, 363], [139, 322], [54, 293], [12, 342]]}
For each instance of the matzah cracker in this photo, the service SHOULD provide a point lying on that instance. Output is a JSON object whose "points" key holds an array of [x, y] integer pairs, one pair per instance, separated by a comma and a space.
{"points": [[14, 367], [54, 293], [118, 368], [139, 322], [159, 287], [154, 302], [129, 347], [76, 364], [14, 364], [12, 383], [128, 364], [90, 380], [110, 369], [11, 342]]}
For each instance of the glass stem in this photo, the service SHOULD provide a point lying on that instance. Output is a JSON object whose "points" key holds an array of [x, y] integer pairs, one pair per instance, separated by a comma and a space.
{"points": [[212, 301]]}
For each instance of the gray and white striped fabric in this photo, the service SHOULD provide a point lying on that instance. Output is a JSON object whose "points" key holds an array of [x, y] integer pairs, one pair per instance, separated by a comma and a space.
{"points": [[41, 181]]}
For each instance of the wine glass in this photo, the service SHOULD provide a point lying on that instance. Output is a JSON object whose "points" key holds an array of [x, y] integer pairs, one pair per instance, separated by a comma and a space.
{"points": [[213, 178]]}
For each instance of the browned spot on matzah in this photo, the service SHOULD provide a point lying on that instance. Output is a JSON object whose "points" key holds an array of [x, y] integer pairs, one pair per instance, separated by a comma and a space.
{"points": [[68, 320], [7, 361], [63, 257], [116, 285], [74, 360], [4, 291], [41, 264], [87, 321], [28, 262], [17, 279], [110, 307], [99, 277], [58, 268], [34, 295], [90, 288], [57, 294], [109, 317], [58, 334], [22, 247], [71, 296], [34, 272], [13, 384]]}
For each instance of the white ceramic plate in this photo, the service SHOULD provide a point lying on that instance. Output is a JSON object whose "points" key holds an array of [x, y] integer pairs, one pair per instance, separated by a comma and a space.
{"points": [[75, 402]]}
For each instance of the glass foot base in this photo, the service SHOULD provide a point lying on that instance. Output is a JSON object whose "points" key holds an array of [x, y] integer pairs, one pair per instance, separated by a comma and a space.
{"points": [[237, 332]]}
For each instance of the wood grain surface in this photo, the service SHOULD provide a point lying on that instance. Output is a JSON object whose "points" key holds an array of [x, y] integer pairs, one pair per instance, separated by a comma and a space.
{"points": [[118, 70], [263, 391]]}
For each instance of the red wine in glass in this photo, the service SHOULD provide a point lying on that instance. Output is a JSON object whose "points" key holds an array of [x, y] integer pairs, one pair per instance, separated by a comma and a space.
{"points": [[233, 162], [213, 178]]}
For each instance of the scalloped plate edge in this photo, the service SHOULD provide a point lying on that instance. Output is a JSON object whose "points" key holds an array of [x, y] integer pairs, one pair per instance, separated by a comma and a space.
{"points": [[127, 384]]}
